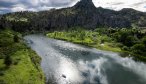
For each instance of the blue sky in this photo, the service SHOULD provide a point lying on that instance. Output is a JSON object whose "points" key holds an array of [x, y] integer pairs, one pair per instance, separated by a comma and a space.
{"points": [[37, 5]]}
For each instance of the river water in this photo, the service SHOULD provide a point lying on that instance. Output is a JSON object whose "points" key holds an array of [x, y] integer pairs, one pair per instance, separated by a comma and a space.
{"points": [[68, 63]]}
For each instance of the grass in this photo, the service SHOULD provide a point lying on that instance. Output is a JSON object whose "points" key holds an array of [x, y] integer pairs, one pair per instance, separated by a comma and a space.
{"points": [[25, 63], [87, 40], [108, 47], [24, 72]]}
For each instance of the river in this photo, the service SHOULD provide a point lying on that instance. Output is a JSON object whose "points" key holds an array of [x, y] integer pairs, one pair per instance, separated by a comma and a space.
{"points": [[68, 63]]}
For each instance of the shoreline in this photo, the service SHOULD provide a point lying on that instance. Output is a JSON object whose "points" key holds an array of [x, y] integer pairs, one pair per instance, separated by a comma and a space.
{"points": [[129, 54]]}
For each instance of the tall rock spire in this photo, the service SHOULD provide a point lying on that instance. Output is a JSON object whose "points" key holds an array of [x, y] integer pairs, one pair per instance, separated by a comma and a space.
{"points": [[85, 4]]}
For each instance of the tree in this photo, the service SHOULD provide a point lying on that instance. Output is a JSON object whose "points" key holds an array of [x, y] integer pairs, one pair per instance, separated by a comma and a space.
{"points": [[130, 41], [16, 38], [144, 40], [8, 60], [139, 49]]}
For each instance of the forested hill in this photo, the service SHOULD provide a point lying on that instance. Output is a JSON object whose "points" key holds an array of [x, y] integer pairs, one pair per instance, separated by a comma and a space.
{"points": [[83, 14]]}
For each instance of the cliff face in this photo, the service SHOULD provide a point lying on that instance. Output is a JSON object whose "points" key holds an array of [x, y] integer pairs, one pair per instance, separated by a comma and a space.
{"points": [[83, 14]]}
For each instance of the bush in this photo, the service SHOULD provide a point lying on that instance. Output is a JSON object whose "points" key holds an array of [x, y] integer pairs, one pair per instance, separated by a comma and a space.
{"points": [[8, 61], [125, 48], [119, 45], [16, 38], [130, 41], [144, 40], [139, 49]]}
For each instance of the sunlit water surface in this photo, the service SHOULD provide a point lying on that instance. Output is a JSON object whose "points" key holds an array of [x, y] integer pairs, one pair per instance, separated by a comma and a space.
{"points": [[68, 63]]}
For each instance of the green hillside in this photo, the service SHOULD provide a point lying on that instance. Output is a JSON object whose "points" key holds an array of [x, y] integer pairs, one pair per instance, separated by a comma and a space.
{"points": [[18, 63]]}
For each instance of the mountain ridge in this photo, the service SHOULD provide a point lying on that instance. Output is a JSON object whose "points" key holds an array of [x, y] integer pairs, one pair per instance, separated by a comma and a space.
{"points": [[83, 14]]}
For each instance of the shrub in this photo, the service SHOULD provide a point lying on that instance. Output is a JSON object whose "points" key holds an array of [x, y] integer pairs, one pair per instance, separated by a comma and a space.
{"points": [[119, 45], [138, 49], [8, 61], [144, 40], [125, 48], [16, 38]]}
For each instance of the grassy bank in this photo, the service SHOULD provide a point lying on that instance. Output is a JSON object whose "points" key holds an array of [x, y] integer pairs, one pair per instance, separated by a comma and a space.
{"points": [[88, 38], [18, 63], [117, 40], [102, 46]]}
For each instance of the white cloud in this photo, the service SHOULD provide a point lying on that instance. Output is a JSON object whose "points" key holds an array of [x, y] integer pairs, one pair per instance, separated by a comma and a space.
{"points": [[3, 8], [45, 1], [15, 9], [37, 5], [32, 9], [119, 4], [34, 2], [44, 8]]}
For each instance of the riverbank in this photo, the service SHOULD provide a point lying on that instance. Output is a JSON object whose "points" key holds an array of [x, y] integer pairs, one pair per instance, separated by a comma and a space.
{"points": [[65, 62], [18, 63], [105, 39]]}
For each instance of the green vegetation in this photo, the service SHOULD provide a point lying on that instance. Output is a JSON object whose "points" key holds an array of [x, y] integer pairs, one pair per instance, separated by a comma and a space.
{"points": [[132, 41], [16, 19], [18, 63], [83, 14]]}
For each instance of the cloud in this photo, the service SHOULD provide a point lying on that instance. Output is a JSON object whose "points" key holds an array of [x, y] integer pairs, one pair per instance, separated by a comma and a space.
{"points": [[139, 3], [6, 4], [10, 1], [117, 3], [120, 4], [33, 5], [37, 5], [18, 9]]}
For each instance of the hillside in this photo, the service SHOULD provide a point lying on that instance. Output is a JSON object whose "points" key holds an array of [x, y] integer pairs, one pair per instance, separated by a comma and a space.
{"points": [[83, 14], [18, 63]]}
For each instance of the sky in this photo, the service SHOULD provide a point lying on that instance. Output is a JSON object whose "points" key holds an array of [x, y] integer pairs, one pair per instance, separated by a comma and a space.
{"points": [[39, 5]]}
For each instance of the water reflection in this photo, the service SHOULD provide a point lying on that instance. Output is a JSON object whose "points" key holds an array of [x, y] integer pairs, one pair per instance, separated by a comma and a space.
{"points": [[92, 71], [67, 63]]}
